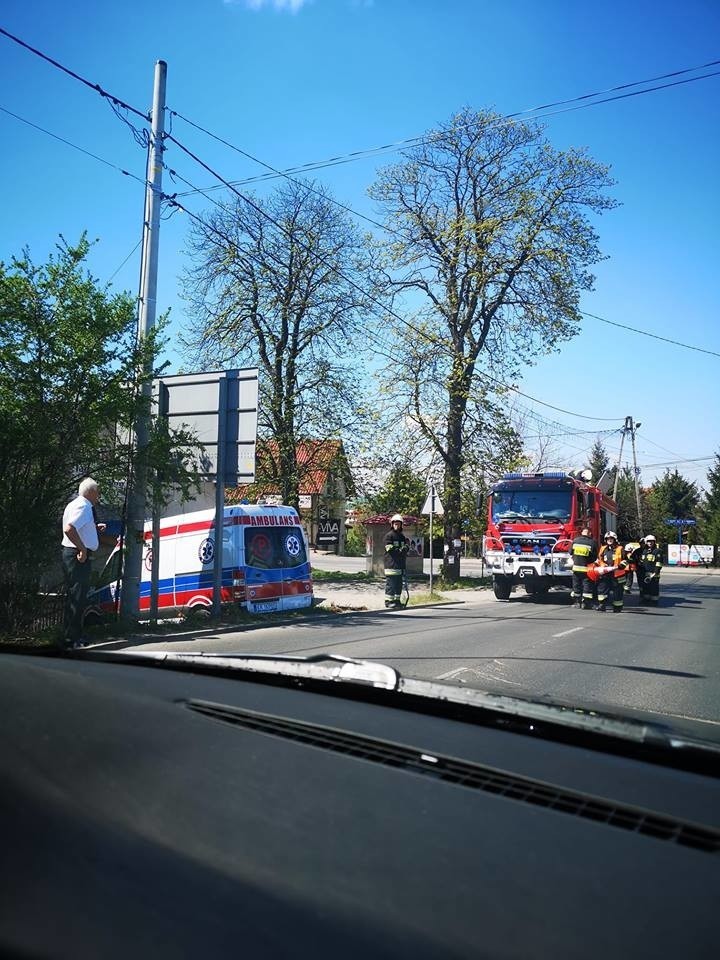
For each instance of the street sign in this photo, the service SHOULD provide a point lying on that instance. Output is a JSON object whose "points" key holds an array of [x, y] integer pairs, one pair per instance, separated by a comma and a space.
{"points": [[328, 531], [680, 521], [432, 504]]}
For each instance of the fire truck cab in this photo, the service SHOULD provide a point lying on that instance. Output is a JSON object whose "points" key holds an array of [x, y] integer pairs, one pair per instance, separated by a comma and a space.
{"points": [[532, 520]]}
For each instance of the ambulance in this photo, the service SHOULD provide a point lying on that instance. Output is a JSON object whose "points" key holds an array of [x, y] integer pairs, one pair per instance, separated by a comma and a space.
{"points": [[265, 563]]}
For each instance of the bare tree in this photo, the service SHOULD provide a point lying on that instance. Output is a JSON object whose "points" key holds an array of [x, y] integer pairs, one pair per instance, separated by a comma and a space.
{"points": [[489, 248], [278, 283]]}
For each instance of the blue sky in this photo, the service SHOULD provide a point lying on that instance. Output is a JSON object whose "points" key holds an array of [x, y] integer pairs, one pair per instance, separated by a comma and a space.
{"points": [[293, 82]]}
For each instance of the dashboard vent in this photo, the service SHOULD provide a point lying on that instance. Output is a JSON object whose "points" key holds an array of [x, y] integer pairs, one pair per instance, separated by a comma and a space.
{"points": [[471, 775]]}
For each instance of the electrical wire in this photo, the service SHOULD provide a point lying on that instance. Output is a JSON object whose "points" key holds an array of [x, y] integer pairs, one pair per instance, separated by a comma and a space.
{"points": [[76, 76], [68, 143], [672, 463], [655, 336], [306, 186], [581, 102], [115, 272]]}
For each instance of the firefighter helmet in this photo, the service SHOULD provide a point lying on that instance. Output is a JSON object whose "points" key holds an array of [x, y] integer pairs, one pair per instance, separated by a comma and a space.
{"points": [[611, 533], [649, 536], [396, 517]]}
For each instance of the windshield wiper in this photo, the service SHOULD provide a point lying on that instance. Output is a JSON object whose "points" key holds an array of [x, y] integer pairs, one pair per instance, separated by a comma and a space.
{"points": [[525, 715], [319, 666], [512, 516]]}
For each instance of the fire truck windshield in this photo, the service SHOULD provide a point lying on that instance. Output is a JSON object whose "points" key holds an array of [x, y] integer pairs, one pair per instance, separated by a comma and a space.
{"points": [[530, 504]]}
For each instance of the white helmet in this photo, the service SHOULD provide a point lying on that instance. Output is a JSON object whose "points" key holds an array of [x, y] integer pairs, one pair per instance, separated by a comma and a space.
{"points": [[610, 533], [650, 536], [396, 516]]}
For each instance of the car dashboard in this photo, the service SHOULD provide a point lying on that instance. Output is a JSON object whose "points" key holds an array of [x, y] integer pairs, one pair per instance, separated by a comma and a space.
{"points": [[159, 812]]}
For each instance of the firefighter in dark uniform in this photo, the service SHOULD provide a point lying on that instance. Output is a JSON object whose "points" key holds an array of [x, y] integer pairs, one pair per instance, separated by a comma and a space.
{"points": [[632, 552], [649, 565], [612, 581], [396, 550], [583, 552]]}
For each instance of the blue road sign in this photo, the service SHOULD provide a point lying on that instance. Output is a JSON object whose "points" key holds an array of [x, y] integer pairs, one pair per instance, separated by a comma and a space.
{"points": [[680, 522]]}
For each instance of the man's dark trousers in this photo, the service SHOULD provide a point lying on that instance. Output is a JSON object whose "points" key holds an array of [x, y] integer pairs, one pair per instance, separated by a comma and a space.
{"points": [[77, 584]]}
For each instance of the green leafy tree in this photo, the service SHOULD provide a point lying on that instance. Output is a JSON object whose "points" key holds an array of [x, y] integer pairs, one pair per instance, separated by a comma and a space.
{"points": [[629, 525], [599, 461], [673, 496], [404, 491], [490, 244], [68, 366], [278, 283], [709, 508]]}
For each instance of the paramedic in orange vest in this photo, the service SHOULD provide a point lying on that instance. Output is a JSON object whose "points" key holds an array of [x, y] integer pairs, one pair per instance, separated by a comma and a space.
{"points": [[583, 552], [612, 582]]}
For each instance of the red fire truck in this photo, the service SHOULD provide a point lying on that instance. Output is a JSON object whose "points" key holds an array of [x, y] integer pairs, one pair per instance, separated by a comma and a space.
{"points": [[531, 522]]}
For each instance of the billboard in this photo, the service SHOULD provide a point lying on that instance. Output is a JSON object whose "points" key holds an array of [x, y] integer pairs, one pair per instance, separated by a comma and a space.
{"points": [[690, 555], [220, 408]]}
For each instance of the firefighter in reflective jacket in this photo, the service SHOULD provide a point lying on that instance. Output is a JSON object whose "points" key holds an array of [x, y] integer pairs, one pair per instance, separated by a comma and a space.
{"points": [[632, 551], [583, 551], [649, 566], [612, 580], [396, 550]]}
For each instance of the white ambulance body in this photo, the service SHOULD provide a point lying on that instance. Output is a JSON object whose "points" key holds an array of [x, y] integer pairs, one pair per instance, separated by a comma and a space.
{"points": [[265, 564]]}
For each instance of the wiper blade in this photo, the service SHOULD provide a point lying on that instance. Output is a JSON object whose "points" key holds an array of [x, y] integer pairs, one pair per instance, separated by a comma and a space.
{"points": [[641, 730], [317, 667]]}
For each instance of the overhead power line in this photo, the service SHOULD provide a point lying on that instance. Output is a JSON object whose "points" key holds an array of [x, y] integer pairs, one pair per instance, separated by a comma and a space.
{"points": [[581, 102], [69, 143], [646, 333], [76, 76]]}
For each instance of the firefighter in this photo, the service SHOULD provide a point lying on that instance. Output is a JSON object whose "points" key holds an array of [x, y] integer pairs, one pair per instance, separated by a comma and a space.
{"points": [[632, 552], [614, 565], [648, 570], [396, 550], [583, 552]]}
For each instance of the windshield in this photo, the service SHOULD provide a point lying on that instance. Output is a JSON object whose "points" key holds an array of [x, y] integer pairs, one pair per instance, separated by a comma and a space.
{"points": [[538, 504], [440, 286], [271, 547]]}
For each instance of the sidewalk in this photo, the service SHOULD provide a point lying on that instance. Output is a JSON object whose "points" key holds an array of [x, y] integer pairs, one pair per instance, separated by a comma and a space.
{"points": [[371, 596], [349, 595]]}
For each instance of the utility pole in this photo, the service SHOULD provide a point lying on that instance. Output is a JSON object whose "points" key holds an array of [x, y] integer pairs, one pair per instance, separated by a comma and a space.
{"points": [[130, 597], [630, 428]]}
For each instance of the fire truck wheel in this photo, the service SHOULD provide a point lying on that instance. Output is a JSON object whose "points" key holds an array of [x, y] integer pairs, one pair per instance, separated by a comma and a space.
{"points": [[502, 587]]}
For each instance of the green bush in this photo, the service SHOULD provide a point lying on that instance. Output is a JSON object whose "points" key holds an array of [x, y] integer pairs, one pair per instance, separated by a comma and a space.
{"points": [[355, 541]]}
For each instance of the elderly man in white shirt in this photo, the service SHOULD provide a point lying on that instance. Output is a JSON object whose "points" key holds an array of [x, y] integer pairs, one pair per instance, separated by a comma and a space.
{"points": [[80, 539]]}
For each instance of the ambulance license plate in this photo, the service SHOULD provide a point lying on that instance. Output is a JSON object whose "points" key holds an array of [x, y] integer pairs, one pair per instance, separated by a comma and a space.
{"points": [[265, 606]]}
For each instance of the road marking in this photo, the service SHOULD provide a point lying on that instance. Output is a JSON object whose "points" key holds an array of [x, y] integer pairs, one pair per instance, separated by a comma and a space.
{"points": [[566, 632], [683, 716], [482, 675], [452, 673]]}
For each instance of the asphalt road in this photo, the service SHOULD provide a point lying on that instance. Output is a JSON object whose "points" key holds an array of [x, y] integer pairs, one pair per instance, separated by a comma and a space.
{"points": [[665, 660]]}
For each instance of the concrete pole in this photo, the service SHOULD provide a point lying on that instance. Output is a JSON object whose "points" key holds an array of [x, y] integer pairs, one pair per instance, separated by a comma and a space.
{"points": [[130, 597], [637, 476], [619, 461]]}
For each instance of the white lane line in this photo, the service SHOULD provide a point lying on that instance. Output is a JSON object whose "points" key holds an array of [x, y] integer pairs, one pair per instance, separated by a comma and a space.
{"points": [[566, 632], [683, 716]]}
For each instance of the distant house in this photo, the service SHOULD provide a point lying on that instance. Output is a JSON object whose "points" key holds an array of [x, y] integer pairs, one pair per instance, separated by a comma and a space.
{"points": [[325, 484]]}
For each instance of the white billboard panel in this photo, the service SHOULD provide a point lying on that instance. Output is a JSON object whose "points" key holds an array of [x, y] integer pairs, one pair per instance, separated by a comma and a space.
{"points": [[690, 555], [219, 407]]}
